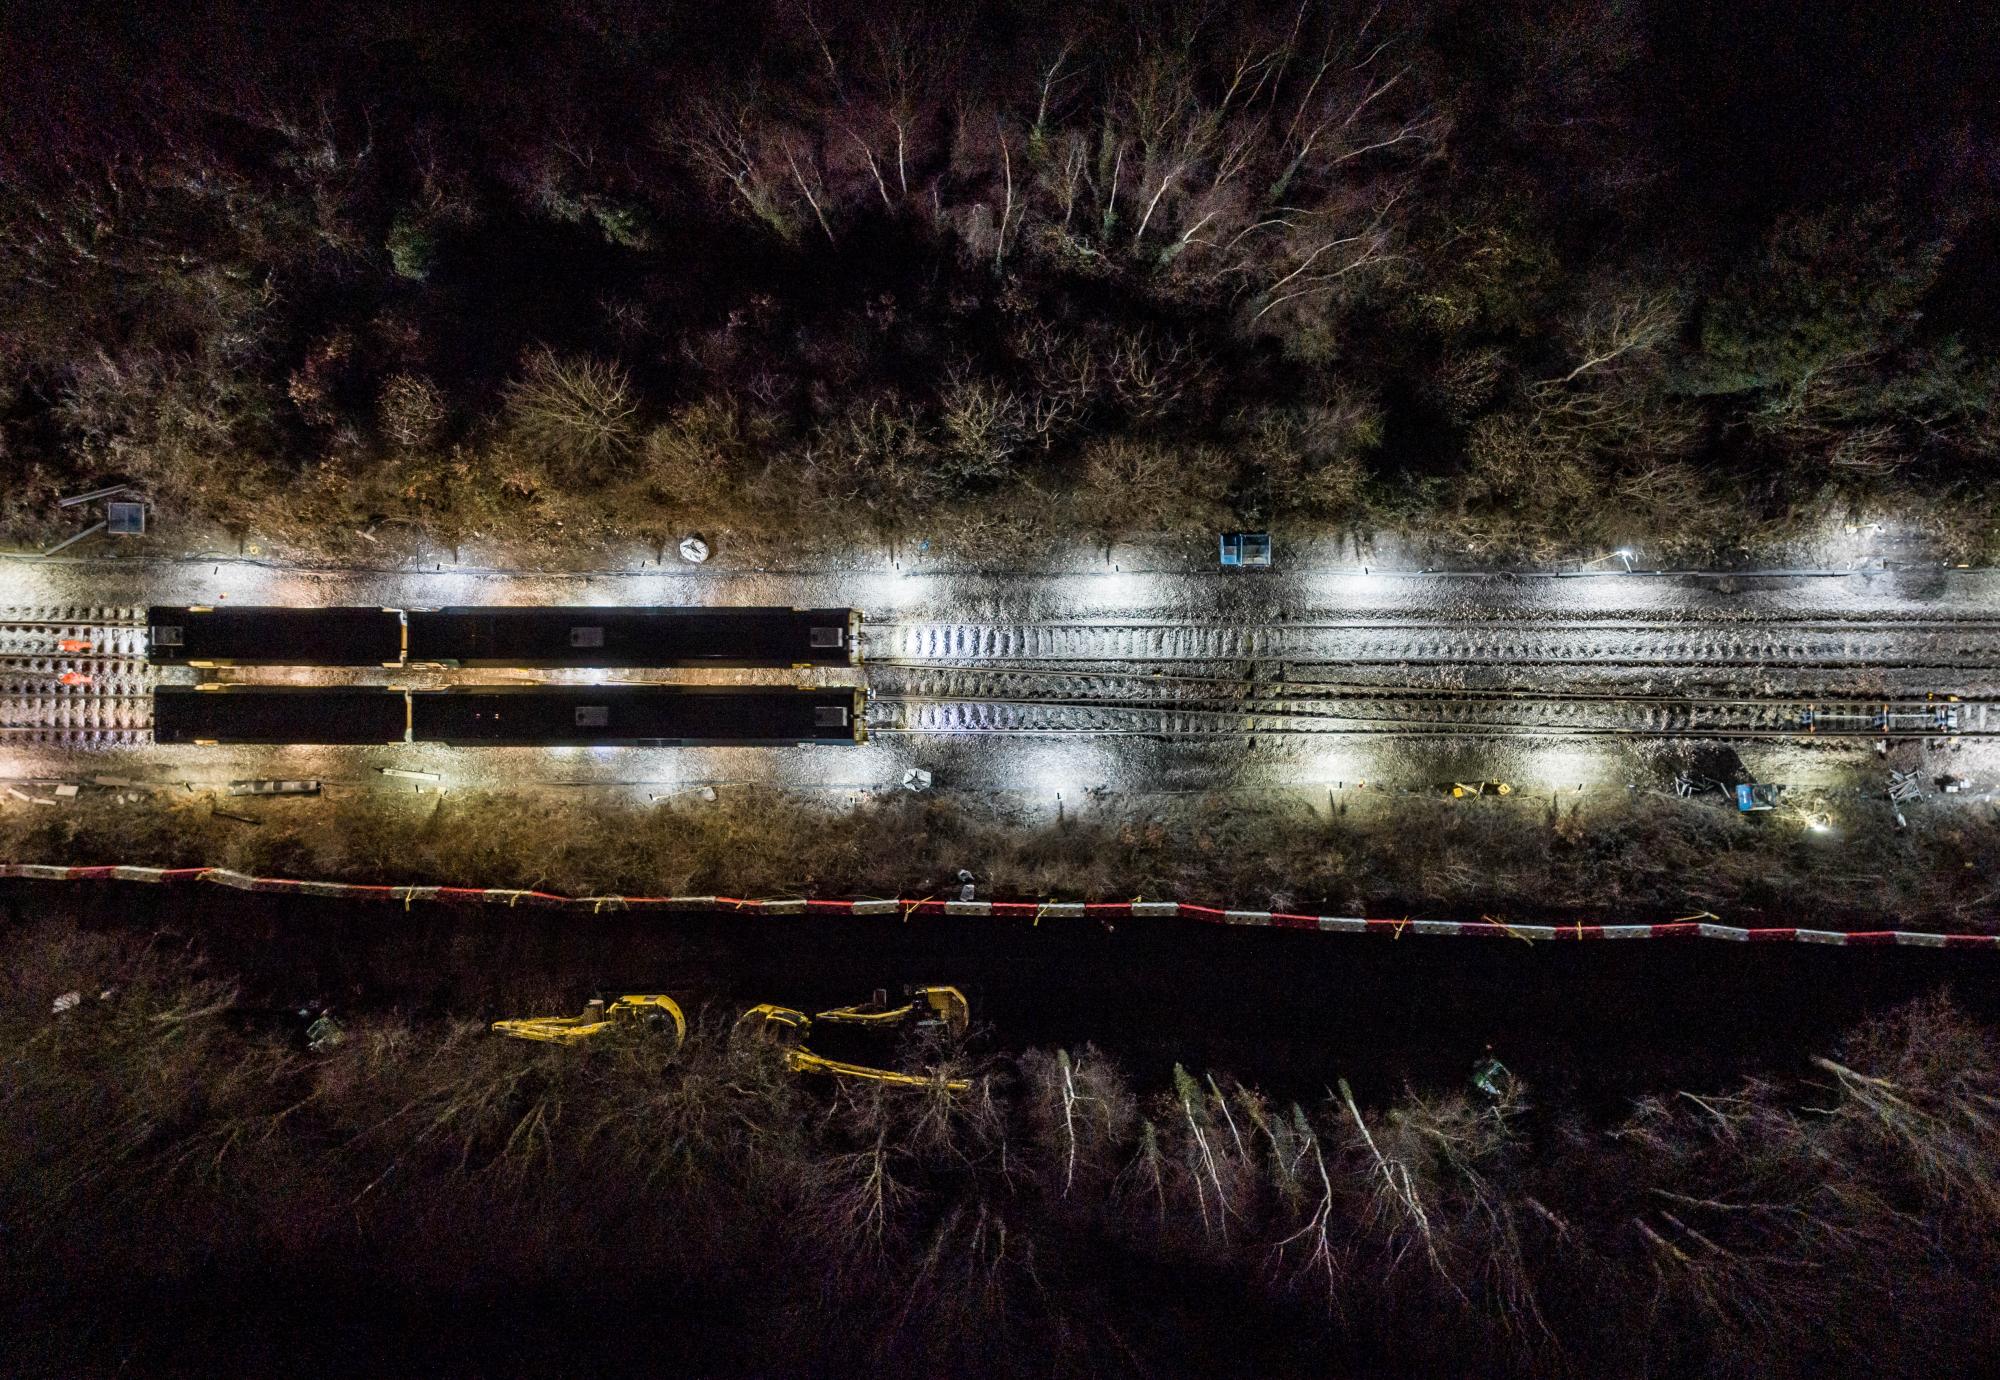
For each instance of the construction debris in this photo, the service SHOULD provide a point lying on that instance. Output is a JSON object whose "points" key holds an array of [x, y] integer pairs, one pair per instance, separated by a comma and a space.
{"points": [[271, 787]]}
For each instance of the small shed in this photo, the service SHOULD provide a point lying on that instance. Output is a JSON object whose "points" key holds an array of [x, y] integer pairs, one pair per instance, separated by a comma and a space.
{"points": [[1244, 549]]}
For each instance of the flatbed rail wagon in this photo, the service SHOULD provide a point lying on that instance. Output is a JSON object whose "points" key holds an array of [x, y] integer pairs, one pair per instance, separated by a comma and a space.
{"points": [[601, 637], [510, 716], [200, 636], [334, 715]]}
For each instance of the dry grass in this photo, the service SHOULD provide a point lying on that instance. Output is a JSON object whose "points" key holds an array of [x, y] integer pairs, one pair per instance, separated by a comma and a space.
{"points": [[1638, 856]]}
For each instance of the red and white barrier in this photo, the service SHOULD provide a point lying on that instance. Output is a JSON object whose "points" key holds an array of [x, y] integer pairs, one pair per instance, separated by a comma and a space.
{"points": [[1702, 928]]}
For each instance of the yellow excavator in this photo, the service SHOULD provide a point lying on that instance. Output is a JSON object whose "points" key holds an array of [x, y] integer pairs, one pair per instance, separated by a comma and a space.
{"points": [[929, 1008], [872, 1022], [653, 1011]]}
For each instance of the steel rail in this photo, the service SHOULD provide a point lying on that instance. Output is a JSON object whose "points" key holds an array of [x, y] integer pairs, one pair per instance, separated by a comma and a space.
{"points": [[1844, 719], [1332, 689], [1400, 619], [1421, 731]]}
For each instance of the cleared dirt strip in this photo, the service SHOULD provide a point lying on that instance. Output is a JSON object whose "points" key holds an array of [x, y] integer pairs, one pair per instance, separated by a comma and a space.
{"points": [[1692, 928]]}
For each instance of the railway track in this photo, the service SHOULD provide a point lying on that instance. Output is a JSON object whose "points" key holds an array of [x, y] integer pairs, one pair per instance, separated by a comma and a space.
{"points": [[114, 704], [1397, 676], [1221, 687], [77, 676], [1679, 644], [118, 632], [1424, 713], [74, 675]]}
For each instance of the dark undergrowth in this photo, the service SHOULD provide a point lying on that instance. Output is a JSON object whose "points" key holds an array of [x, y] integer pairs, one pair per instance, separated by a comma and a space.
{"points": [[184, 1192]]}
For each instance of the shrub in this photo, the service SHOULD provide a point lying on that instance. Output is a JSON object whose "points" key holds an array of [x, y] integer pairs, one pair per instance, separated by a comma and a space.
{"points": [[705, 450], [572, 410], [984, 428], [411, 412], [412, 247], [1149, 486], [1307, 459]]}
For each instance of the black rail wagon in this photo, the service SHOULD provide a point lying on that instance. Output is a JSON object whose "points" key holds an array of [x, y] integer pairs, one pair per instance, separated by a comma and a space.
{"points": [[199, 635], [508, 716], [635, 716], [632, 637], [336, 714]]}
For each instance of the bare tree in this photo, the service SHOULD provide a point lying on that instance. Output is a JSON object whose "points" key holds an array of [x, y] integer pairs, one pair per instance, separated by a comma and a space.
{"points": [[724, 141], [1610, 329], [572, 408]]}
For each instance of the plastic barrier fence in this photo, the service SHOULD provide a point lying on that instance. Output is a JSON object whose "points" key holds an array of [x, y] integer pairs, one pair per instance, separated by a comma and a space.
{"points": [[1692, 928]]}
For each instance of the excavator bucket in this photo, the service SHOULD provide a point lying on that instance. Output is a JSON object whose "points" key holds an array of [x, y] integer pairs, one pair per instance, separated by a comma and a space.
{"points": [[777, 1024]]}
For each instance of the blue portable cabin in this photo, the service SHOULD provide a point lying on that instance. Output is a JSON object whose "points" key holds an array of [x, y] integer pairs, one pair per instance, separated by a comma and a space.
{"points": [[1242, 549]]}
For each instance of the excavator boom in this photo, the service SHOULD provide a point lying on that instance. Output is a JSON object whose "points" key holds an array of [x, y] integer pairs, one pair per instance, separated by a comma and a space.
{"points": [[944, 1007], [651, 1009]]}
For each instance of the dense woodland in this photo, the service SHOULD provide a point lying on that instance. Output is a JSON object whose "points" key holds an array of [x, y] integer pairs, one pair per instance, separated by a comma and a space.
{"points": [[184, 1190], [1518, 276]]}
